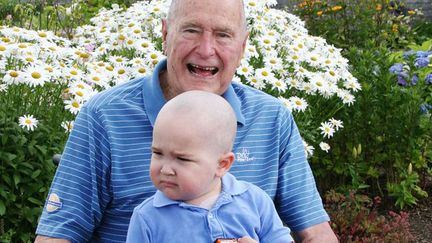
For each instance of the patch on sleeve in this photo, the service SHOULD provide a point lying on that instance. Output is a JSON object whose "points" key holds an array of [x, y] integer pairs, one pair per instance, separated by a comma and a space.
{"points": [[54, 203]]}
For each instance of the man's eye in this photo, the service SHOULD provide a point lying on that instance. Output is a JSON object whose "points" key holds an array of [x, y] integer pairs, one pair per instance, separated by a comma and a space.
{"points": [[223, 35], [191, 31], [156, 153]]}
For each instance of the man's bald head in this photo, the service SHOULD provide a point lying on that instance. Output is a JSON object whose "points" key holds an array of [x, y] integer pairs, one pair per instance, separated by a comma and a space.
{"points": [[175, 4]]}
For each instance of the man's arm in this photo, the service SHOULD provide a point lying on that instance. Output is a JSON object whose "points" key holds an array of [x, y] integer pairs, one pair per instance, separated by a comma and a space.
{"points": [[317, 233], [46, 239]]}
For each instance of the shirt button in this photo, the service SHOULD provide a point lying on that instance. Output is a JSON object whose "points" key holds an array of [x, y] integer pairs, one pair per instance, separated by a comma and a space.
{"points": [[210, 215]]}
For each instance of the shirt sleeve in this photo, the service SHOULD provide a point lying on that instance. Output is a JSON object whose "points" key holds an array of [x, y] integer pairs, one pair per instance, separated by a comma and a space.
{"points": [[298, 201], [138, 230], [80, 190]]}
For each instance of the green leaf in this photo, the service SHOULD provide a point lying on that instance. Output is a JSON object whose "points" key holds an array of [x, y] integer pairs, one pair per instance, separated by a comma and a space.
{"points": [[2, 208], [35, 174], [17, 179], [34, 200]]}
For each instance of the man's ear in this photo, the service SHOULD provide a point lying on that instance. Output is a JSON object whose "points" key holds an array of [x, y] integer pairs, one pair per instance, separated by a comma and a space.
{"points": [[225, 162], [164, 34]]}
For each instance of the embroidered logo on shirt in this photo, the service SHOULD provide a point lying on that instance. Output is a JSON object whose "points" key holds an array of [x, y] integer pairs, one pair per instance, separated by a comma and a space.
{"points": [[54, 203], [244, 155]]}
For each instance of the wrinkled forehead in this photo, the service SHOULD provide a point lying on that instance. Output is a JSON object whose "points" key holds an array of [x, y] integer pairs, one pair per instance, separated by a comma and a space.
{"points": [[229, 9]]}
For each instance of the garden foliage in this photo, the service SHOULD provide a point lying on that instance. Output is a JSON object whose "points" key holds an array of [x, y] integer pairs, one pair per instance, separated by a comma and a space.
{"points": [[385, 146]]}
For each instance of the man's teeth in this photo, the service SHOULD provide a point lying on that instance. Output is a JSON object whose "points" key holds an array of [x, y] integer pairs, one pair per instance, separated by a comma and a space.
{"points": [[203, 68]]}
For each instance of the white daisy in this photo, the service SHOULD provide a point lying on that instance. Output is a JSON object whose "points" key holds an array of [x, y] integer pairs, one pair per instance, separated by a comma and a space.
{"points": [[28, 122], [336, 123], [309, 150], [327, 129], [13, 77], [298, 104], [324, 146], [36, 76], [73, 105], [67, 125]]}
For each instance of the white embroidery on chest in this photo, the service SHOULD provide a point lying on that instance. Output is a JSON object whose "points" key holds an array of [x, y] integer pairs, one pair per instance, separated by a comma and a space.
{"points": [[244, 155]]}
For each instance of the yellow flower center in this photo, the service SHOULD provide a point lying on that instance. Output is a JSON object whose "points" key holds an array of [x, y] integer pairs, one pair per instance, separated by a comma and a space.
{"points": [[145, 45], [153, 56], [28, 122], [79, 93], [13, 74], [80, 86], [121, 71], [36, 75], [75, 104], [142, 70], [42, 34], [252, 4], [2, 48], [22, 45], [109, 68], [298, 103], [97, 79], [73, 72]]}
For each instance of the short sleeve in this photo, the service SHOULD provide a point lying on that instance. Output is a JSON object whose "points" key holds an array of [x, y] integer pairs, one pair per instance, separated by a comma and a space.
{"points": [[80, 190], [298, 201]]}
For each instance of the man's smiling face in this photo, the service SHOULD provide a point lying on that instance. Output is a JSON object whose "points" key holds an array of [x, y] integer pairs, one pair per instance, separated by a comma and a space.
{"points": [[204, 41]]}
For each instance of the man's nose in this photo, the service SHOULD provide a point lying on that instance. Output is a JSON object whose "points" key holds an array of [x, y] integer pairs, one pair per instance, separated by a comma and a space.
{"points": [[206, 45]]}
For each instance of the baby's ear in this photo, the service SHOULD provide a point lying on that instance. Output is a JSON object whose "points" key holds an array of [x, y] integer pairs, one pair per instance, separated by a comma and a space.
{"points": [[225, 162]]}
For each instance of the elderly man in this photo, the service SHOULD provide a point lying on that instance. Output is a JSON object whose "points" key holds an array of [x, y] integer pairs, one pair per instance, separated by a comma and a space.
{"points": [[104, 169]]}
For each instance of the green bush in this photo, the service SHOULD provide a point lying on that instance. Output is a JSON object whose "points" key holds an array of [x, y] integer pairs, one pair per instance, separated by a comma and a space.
{"points": [[350, 23], [26, 170]]}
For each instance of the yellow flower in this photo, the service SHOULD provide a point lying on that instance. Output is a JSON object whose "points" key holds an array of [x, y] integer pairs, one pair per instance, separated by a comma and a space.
{"points": [[319, 13], [411, 12], [378, 7], [336, 8], [395, 28]]}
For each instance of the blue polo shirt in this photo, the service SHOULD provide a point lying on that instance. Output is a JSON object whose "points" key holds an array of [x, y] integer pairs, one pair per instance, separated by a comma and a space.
{"points": [[242, 209], [104, 170]]}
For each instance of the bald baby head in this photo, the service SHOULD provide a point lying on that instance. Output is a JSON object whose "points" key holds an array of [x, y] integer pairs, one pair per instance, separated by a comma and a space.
{"points": [[209, 116]]}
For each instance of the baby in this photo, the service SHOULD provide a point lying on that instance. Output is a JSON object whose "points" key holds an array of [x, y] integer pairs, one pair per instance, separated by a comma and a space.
{"points": [[197, 199]]}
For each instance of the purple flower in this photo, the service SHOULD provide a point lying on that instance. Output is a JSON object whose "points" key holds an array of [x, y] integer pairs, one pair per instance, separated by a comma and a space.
{"points": [[424, 108], [422, 54], [407, 54], [414, 79], [401, 81], [421, 62], [428, 78], [396, 68]]}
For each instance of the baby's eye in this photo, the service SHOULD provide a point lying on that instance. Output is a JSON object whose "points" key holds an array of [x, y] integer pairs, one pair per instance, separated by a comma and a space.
{"points": [[184, 159]]}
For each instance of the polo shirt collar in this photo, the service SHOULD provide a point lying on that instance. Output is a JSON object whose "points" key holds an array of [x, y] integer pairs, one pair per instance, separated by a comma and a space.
{"points": [[154, 98], [230, 187]]}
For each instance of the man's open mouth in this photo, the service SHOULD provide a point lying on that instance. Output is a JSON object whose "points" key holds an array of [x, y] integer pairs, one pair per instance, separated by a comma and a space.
{"points": [[201, 70]]}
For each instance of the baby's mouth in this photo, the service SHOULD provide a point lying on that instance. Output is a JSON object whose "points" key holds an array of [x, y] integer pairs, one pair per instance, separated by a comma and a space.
{"points": [[202, 70]]}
